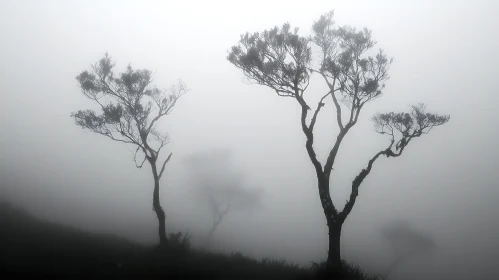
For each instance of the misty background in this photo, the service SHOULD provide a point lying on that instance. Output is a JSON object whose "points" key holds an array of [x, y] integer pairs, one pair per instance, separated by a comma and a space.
{"points": [[445, 184]]}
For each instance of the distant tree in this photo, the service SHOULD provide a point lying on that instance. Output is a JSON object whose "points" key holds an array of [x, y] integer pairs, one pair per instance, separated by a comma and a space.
{"points": [[219, 185], [282, 60], [131, 108], [218, 211], [406, 243]]}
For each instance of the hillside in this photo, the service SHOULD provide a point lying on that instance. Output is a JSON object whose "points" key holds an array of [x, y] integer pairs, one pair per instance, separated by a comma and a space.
{"points": [[33, 247]]}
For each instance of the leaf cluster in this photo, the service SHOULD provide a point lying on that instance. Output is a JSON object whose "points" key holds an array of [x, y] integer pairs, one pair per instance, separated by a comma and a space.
{"points": [[408, 125], [277, 58]]}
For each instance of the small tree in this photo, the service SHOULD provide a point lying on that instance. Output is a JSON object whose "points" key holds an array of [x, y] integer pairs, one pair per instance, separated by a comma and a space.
{"points": [[219, 186], [282, 60], [406, 243], [218, 210], [131, 109]]}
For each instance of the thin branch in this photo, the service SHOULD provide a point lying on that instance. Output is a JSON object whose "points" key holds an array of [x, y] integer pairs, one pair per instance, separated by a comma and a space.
{"points": [[164, 164], [335, 100], [162, 140], [319, 106], [115, 139], [135, 159], [222, 214], [165, 111]]}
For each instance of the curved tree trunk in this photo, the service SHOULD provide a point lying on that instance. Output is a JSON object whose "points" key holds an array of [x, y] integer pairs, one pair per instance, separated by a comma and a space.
{"points": [[333, 263], [156, 206]]}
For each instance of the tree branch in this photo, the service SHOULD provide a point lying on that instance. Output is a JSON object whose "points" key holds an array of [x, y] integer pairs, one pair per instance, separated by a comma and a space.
{"points": [[164, 164], [334, 151], [135, 158], [310, 137], [356, 183], [335, 100], [314, 117], [169, 106], [409, 125]]}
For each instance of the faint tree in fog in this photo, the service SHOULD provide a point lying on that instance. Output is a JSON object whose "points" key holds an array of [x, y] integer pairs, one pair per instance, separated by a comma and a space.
{"points": [[219, 186], [282, 60], [131, 109], [406, 243], [218, 211]]}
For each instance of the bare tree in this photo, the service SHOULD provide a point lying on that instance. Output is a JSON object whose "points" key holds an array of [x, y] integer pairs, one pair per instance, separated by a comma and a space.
{"points": [[131, 109], [218, 210], [406, 243], [219, 185], [282, 60]]}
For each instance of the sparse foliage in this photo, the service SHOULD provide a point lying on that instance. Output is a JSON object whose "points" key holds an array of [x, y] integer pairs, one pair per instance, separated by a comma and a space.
{"points": [[131, 109], [282, 60], [408, 125]]}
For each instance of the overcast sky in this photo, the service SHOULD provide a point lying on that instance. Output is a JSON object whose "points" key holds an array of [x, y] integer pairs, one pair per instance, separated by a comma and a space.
{"points": [[445, 54]]}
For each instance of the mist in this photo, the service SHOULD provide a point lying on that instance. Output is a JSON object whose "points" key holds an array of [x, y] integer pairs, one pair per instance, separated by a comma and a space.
{"points": [[445, 185]]}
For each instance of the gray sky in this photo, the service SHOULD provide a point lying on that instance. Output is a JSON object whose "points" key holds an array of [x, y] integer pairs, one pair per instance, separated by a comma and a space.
{"points": [[445, 54]]}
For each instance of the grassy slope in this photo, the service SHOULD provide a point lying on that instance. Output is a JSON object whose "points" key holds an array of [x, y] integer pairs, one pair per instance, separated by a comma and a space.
{"points": [[30, 246]]}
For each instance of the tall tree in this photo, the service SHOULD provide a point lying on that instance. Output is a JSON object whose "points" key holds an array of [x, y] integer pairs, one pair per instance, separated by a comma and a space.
{"points": [[131, 109], [282, 60]]}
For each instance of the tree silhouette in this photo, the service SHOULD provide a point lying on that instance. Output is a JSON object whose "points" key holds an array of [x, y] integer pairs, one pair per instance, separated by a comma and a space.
{"points": [[282, 60], [131, 109]]}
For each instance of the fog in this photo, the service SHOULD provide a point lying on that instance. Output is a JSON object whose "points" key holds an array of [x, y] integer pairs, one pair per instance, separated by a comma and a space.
{"points": [[445, 183]]}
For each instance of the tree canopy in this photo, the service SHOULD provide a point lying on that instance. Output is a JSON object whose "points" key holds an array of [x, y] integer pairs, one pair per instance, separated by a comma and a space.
{"points": [[131, 107]]}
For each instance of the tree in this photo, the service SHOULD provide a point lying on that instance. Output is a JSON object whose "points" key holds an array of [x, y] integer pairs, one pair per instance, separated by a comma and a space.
{"points": [[131, 109], [282, 60], [406, 243], [219, 186]]}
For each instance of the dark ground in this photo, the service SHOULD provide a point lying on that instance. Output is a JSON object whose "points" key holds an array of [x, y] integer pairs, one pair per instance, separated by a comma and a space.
{"points": [[31, 247]]}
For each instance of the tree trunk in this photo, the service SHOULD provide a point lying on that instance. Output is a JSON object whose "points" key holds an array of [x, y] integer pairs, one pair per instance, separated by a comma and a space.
{"points": [[333, 267], [210, 234], [156, 206], [333, 263]]}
